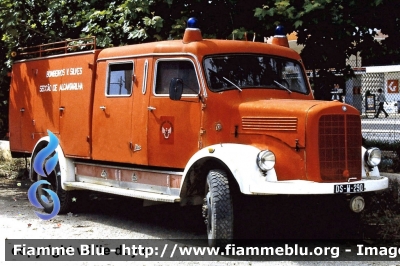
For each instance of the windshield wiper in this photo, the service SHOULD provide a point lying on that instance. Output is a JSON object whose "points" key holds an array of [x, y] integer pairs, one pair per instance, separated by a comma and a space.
{"points": [[222, 77], [232, 83], [282, 86]]}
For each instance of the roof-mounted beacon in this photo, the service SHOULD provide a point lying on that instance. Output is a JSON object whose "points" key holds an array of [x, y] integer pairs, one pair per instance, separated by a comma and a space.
{"points": [[280, 37], [192, 31]]}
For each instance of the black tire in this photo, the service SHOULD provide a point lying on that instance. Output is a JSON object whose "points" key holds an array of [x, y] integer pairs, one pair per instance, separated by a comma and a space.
{"points": [[65, 197], [218, 209]]}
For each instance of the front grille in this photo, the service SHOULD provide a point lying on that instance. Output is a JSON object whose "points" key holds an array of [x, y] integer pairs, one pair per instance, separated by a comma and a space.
{"points": [[339, 147]]}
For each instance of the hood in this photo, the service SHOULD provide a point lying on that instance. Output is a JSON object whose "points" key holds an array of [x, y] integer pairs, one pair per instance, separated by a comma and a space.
{"points": [[279, 119]]}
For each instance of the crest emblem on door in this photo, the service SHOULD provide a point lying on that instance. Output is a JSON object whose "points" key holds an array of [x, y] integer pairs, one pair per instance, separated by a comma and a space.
{"points": [[167, 130]]}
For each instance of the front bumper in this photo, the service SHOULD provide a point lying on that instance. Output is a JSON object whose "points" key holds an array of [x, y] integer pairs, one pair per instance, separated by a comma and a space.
{"points": [[304, 187]]}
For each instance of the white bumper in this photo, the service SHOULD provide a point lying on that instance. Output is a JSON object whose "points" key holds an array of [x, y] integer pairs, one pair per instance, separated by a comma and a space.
{"points": [[303, 187], [240, 159]]}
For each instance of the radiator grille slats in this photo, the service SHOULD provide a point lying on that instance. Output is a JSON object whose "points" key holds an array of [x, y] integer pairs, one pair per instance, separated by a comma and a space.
{"points": [[339, 147]]}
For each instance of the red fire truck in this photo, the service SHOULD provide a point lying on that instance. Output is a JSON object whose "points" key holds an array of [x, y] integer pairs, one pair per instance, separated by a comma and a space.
{"points": [[194, 121]]}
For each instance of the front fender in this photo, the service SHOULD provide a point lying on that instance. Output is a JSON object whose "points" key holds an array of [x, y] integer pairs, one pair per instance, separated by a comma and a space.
{"points": [[240, 159]]}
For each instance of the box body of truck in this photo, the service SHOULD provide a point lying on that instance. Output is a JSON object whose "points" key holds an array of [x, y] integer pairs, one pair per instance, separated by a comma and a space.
{"points": [[192, 121]]}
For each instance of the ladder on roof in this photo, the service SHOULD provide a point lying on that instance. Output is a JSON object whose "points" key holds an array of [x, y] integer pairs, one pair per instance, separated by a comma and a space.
{"points": [[62, 47]]}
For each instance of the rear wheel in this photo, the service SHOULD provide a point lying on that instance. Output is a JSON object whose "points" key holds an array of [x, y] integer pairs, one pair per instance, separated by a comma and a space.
{"points": [[65, 197], [218, 209]]}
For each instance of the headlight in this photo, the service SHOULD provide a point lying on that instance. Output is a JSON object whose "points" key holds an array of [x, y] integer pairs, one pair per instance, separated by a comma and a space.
{"points": [[372, 156], [266, 160]]}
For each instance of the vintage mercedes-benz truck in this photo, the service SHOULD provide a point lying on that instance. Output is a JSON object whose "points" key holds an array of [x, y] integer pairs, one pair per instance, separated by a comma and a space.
{"points": [[194, 121]]}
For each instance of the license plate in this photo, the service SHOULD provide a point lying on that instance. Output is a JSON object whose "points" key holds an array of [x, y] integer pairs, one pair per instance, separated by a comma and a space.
{"points": [[349, 188]]}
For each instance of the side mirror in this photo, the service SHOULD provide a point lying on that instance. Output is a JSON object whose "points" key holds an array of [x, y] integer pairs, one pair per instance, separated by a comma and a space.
{"points": [[175, 89]]}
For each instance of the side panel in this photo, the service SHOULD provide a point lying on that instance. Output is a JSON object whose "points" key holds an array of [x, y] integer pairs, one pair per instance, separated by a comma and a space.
{"points": [[52, 93], [34, 96]]}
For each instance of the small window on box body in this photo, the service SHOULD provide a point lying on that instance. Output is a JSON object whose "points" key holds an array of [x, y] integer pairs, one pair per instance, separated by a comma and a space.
{"points": [[120, 76]]}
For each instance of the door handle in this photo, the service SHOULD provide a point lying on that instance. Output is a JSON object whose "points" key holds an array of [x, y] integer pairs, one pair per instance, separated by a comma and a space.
{"points": [[103, 108], [151, 108]]}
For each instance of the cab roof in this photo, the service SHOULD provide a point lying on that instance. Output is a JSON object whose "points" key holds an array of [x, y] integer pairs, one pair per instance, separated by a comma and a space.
{"points": [[198, 48]]}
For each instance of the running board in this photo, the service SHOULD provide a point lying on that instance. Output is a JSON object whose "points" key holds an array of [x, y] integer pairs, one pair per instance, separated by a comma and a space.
{"points": [[123, 192]]}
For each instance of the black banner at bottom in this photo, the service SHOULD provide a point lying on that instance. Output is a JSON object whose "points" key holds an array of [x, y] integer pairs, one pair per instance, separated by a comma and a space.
{"points": [[198, 250]]}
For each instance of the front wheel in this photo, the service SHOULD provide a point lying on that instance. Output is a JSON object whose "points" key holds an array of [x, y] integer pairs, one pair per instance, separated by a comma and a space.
{"points": [[218, 209]]}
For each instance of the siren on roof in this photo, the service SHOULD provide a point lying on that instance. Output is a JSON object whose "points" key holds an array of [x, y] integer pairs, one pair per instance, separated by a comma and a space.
{"points": [[192, 31], [280, 37]]}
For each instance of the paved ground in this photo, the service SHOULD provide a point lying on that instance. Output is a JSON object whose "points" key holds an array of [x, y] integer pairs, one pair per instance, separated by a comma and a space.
{"points": [[103, 217]]}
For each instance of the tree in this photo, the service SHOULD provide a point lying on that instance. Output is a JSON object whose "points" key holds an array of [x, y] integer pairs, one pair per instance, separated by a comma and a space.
{"points": [[333, 30], [33, 22], [30, 22]]}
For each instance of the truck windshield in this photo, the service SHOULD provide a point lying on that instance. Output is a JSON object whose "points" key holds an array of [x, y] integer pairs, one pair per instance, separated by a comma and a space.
{"points": [[241, 71]]}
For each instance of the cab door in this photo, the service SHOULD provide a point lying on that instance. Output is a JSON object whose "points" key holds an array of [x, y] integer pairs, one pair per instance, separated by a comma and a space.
{"points": [[112, 110], [174, 126]]}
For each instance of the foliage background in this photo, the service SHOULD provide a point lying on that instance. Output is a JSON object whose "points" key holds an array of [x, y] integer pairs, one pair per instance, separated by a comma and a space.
{"points": [[331, 30]]}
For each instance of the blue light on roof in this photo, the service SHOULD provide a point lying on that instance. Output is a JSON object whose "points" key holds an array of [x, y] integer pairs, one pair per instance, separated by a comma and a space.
{"points": [[192, 23], [280, 30]]}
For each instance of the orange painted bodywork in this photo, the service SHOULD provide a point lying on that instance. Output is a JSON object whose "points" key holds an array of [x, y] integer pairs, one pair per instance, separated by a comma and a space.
{"points": [[53, 94], [129, 129]]}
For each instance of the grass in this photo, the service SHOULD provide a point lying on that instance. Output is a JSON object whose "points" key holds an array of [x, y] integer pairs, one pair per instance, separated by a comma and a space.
{"points": [[14, 168]]}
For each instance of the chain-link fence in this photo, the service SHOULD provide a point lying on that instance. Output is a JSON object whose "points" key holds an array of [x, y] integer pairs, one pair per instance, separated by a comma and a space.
{"points": [[363, 92]]}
